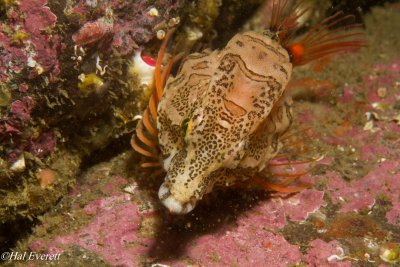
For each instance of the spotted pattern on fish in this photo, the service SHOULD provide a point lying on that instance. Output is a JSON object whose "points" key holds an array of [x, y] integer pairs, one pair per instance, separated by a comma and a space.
{"points": [[221, 117]]}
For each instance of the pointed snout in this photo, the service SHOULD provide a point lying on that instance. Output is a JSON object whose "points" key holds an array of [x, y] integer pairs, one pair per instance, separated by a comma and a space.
{"points": [[173, 204]]}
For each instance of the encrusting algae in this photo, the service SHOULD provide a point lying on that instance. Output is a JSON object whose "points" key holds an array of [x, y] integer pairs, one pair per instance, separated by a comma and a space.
{"points": [[223, 119]]}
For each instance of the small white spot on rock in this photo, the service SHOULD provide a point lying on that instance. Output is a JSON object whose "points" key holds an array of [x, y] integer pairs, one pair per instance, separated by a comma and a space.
{"points": [[19, 165], [153, 12]]}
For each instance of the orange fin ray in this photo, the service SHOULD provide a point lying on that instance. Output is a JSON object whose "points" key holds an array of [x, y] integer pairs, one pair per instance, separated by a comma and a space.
{"points": [[290, 163], [157, 73], [288, 135], [150, 164], [149, 119], [281, 156], [321, 40], [278, 187], [141, 150], [153, 107], [149, 124], [143, 138], [290, 176]]}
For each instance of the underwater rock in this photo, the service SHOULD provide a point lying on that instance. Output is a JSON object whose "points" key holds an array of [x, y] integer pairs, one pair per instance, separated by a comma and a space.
{"points": [[54, 126]]}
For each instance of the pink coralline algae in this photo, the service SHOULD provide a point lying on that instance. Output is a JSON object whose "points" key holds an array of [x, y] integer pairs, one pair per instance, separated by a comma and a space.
{"points": [[374, 147], [385, 179], [44, 144], [22, 109], [243, 247], [122, 32], [16, 137], [38, 20], [253, 242], [20, 114], [113, 233], [30, 47], [39, 52], [92, 32], [275, 212], [324, 254]]}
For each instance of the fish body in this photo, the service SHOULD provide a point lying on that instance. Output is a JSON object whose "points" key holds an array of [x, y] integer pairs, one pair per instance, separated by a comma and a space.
{"points": [[222, 118], [224, 110]]}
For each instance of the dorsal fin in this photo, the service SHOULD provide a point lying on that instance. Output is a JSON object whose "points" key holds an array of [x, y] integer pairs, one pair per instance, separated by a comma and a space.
{"points": [[329, 36]]}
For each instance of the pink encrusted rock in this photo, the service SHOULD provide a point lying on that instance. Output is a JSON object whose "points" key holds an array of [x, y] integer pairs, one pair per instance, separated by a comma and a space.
{"points": [[247, 245], [123, 33], [38, 20], [252, 242], [348, 94], [92, 32], [22, 109], [113, 187], [43, 145], [393, 66], [322, 254], [385, 179], [273, 213], [113, 233], [23, 88], [9, 54]]}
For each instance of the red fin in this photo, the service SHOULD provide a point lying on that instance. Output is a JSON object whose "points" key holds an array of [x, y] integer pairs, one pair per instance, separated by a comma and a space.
{"points": [[325, 38], [321, 40]]}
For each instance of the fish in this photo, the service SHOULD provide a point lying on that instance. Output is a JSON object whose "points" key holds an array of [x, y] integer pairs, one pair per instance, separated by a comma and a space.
{"points": [[222, 119]]}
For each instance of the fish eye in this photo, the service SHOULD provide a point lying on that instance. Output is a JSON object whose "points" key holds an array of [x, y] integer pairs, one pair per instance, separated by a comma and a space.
{"points": [[185, 124]]}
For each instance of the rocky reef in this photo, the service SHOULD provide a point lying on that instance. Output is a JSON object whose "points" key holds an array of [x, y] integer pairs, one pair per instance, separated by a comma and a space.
{"points": [[66, 90], [68, 102]]}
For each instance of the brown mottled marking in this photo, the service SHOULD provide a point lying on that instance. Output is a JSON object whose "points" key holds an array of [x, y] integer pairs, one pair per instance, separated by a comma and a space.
{"points": [[260, 41], [221, 119], [213, 93], [200, 66]]}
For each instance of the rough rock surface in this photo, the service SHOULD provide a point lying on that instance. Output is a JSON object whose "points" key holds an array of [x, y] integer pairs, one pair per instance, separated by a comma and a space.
{"points": [[113, 216]]}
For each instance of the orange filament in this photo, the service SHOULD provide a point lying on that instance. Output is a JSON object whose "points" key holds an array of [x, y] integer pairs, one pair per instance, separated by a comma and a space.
{"points": [[287, 136], [285, 24], [141, 150], [295, 143], [150, 164], [166, 71], [280, 156], [313, 84], [278, 187], [146, 127], [149, 124], [290, 176], [153, 107], [290, 163], [157, 72], [320, 41], [142, 137], [284, 189]]}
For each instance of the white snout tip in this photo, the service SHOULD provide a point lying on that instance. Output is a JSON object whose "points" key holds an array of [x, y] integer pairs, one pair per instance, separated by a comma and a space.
{"points": [[172, 204]]}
